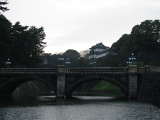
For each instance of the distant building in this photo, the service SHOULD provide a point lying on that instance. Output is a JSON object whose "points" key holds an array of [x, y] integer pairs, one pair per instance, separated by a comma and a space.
{"points": [[97, 51]]}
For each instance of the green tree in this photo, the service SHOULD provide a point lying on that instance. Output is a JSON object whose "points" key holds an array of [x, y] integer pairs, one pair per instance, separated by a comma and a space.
{"points": [[83, 62], [122, 46], [52, 60], [19, 44], [109, 61], [22, 44], [3, 8], [5, 27], [146, 36], [73, 56], [144, 40], [36, 45]]}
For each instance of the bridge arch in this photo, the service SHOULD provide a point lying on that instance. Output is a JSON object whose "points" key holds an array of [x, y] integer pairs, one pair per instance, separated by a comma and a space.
{"points": [[79, 82], [10, 84]]}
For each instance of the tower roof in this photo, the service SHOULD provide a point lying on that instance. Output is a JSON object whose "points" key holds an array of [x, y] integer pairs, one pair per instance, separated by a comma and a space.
{"points": [[99, 45]]}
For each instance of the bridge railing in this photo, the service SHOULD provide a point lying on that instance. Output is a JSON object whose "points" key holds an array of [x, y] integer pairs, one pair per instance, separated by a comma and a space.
{"points": [[28, 70], [141, 69], [149, 69], [96, 70], [79, 70], [154, 69]]}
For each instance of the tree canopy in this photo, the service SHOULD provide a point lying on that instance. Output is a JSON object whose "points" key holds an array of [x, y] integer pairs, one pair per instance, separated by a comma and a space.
{"points": [[144, 40], [1, 6], [22, 44], [71, 53]]}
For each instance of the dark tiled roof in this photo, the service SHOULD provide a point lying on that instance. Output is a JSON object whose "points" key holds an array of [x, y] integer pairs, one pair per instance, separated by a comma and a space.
{"points": [[99, 45]]}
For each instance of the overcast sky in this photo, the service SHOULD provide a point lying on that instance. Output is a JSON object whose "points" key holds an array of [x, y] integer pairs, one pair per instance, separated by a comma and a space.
{"points": [[80, 24]]}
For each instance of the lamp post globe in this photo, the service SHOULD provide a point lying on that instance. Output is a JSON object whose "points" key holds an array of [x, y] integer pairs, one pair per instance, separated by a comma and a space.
{"points": [[8, 63]]}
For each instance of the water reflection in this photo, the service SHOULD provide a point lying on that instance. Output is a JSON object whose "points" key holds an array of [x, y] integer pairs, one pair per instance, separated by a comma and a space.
{"points": [[52, 100], [77, 108]]}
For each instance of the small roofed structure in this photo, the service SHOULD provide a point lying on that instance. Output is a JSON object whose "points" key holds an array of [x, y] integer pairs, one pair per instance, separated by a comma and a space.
{"points": [[98, 50]]}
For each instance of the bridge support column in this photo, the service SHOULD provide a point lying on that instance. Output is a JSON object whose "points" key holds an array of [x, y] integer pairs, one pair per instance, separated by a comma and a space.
{"points": [[60, 81], [132, 82]]}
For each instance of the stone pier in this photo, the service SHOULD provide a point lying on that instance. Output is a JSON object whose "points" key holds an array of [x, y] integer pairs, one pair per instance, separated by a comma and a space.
{"points": [[61, 81], [132, 82]]}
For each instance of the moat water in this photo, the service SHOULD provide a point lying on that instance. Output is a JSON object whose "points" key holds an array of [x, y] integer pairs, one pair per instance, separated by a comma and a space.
{"points": [[77, 108]]}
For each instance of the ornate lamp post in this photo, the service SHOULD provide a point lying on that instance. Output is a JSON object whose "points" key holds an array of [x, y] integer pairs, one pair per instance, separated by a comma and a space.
{"points": [[45, 62], [61, 59], [67, 61], [8, 63], [93, 62], [131, 59]]}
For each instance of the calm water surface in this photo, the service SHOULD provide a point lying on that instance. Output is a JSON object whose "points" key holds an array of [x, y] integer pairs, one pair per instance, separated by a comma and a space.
{"points": [[78, 108]]}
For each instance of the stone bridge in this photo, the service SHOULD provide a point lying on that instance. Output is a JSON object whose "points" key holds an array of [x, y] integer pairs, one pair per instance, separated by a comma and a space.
{"points": [[63, 81]]}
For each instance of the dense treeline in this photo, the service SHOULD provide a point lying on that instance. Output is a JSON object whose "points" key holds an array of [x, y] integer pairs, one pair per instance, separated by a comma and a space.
{"points": [[144, 42], [70, 58], [23, 45]]}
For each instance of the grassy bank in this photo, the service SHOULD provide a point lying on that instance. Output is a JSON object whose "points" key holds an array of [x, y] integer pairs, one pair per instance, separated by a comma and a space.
{"points": [[107, 88], [104, 85]]}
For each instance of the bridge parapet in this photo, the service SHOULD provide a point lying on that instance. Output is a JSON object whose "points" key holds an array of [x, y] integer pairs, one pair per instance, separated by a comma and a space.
{"points": [[82, 70], [154, 69], [140, 69], [148, 68], [132, 69], [28, 70], [97, 70]]}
